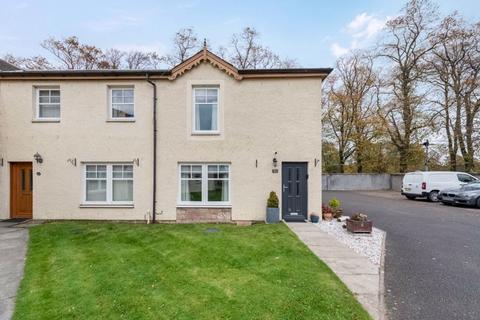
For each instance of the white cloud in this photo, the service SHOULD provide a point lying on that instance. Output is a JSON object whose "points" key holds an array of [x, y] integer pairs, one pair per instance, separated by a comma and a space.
{"points": [[338, 50], [365, 25], [361, 31]]}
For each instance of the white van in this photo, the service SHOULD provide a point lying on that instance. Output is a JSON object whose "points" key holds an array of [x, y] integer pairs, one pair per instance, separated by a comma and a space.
{"points": [[427, 184]]}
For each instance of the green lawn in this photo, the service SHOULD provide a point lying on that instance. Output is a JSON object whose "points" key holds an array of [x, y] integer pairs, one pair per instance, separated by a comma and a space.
{"points": [[125, 271]]}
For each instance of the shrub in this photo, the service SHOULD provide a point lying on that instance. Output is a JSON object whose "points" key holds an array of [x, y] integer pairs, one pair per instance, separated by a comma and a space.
{"points": [[334, 203], [359, 217], [272, 201]]}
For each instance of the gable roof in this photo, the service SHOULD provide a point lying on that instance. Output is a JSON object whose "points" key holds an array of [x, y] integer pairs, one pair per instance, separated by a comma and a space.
{"points": [[202, 56], [5, 66], [205, 55]]}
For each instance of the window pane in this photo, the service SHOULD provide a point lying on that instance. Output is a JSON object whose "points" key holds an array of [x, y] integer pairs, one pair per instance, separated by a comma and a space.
{"points": [[212, 168], [212, 92], [117, 99], [55, 99], [218, 190], [44, 99], [223, 175], [96, 190], [117, 93], [200, 95], [91, 174], [49, 111], [55, 93], [123, 190], [122, 110], [128, 99], [212, 97], [206, 117], [43, 93], [128, 93], [191, 190]]}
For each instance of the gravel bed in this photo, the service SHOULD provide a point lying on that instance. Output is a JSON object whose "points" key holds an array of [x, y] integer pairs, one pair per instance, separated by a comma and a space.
{"points": [[367, 245]]}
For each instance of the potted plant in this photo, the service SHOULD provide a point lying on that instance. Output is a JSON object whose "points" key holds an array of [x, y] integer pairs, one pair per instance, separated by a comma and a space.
{"points": [[327, 213], [273, 213], [314, 218], [334, 203], [359, 223]]}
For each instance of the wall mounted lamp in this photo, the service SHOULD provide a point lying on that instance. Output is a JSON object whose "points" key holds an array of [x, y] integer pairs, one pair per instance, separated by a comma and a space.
{"points": [[275, 161]]}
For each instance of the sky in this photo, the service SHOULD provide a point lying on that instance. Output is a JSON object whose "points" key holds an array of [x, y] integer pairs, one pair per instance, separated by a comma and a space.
{"points": [[314, 33]]}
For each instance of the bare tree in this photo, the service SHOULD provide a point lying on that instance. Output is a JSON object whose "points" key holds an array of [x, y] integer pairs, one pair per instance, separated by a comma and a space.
{"points": [[72, 54], [338, 120], [185, 43], [32, 63], [246, 52], [113, 59], [407, 44], [455, 75], [351, 105], [137, 60]]}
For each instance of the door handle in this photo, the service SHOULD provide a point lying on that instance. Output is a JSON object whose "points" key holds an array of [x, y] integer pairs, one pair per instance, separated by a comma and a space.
{"points": [[284, 187]]}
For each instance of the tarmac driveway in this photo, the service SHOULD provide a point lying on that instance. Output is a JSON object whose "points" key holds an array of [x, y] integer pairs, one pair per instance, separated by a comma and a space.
{"points": [[432, 261], [13, 246]]}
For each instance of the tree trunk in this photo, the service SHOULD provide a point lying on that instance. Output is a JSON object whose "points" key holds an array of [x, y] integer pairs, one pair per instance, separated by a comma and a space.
{"points": [[403, 159], [341, 161]]}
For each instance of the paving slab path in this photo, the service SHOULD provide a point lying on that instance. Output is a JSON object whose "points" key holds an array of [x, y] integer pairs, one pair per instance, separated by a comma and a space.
{"points": [[359, 274], [13, 248]]}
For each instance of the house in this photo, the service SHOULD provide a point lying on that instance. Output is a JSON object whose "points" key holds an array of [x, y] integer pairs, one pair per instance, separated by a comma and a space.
{"points": [[202, 142]]}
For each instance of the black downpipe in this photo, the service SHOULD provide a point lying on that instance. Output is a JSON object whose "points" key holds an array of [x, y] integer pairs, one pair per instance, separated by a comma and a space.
{"points": [[154, 204]]}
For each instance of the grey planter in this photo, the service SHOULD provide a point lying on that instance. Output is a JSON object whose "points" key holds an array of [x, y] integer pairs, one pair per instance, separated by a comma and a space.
{"points": [[273, 215]]}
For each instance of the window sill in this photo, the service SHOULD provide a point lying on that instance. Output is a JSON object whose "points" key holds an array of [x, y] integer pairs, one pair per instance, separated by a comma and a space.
{"points": [[206, 133], [45, 120], [109, 205], [121, 120], [204, 205]]}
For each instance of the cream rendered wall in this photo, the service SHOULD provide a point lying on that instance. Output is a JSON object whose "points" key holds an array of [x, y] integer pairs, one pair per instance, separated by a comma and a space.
{"points": [[258, 117], [84, 134]]}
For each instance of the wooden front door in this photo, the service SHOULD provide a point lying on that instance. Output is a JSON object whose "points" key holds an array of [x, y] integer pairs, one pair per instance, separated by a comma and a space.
{"points": [[294, 191], [21, 188]]}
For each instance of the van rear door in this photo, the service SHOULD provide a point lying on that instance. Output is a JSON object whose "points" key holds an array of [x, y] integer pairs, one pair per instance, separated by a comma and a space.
{"points": [[412, 183]]}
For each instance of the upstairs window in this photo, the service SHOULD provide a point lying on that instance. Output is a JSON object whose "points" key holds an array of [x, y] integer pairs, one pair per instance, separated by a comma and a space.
{"points": [[205, 110], [122, 103], [48, 103]]}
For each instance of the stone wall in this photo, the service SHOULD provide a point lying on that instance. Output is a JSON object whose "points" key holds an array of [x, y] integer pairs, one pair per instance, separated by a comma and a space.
{"points": [[204, 215], [364, 181]]}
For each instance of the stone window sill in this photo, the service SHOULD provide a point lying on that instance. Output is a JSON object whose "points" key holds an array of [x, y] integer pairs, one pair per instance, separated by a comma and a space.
{"points": [[85, 205]]}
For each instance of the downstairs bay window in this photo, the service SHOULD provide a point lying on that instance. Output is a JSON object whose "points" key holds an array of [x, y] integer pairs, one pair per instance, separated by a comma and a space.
{"points": [[108, 184], [204, 184]]}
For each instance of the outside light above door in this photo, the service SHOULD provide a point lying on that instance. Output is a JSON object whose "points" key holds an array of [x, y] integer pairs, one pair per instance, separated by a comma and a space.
{"points": [[275, 161]]}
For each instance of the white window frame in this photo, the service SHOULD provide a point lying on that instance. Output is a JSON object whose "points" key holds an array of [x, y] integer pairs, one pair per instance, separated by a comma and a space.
{"points": [[194, 114], [109, 178], [110, 104], [205, 179], [37, 104]]}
